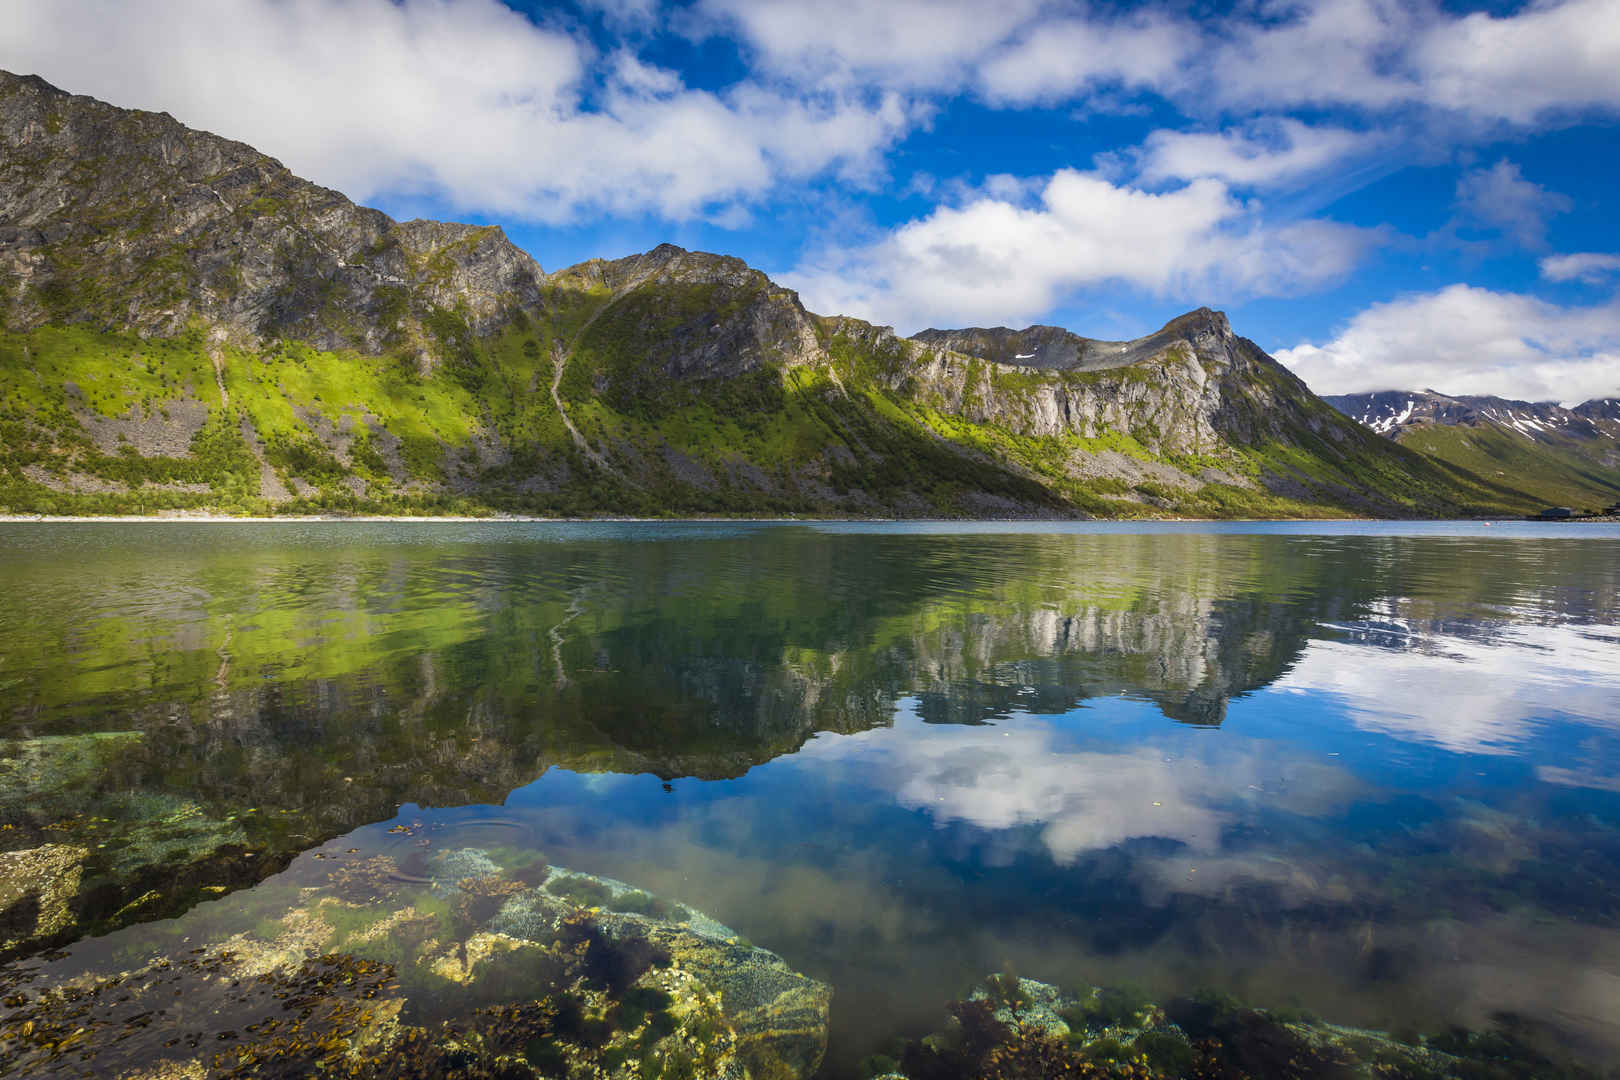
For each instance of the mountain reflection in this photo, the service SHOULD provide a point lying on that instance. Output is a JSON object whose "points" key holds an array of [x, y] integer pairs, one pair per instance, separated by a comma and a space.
{"points": [[216, 699]]}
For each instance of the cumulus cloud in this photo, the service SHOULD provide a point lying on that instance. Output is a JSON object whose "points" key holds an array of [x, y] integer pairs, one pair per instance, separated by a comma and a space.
{"points": [[1468, 340], [471, 102], [910, 44], [1583, 266], [998, 259], [1072, 57], [1501, 198], [1266, 153], [465, 100], [1552, 57], [1319, 52], [1548, 57]]}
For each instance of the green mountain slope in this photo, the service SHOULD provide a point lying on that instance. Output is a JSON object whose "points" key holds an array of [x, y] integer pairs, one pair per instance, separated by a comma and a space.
{"points": [[1557, 472], [1550, 455], [185, 324]]}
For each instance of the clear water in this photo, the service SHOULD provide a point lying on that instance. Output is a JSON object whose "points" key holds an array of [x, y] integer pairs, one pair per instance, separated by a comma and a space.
{"points": [[1368, 770]]}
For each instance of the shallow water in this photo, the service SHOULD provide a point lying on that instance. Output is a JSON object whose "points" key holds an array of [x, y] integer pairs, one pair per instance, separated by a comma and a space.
{"points": [[1368, 770]]}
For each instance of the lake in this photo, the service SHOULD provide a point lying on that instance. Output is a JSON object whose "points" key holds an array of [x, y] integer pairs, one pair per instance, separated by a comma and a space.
{"points": [[1367, 772]]}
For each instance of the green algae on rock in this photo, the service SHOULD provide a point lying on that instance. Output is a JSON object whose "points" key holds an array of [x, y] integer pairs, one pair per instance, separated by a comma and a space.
{"points": [[37, 887], [1019, 1029], [425, 981]]}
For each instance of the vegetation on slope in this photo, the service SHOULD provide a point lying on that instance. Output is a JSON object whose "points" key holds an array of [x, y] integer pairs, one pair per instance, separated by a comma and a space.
{"points": [[99, 422], [1546, 474]]}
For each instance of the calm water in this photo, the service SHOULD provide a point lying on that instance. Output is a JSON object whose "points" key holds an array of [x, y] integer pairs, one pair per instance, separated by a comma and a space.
{"points": [[1371, 771]]}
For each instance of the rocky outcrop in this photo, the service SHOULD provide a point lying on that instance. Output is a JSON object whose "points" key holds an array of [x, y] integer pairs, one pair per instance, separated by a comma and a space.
{"points": [[130, 220], [1600, 409], [1052, 348], [1192, 387]]}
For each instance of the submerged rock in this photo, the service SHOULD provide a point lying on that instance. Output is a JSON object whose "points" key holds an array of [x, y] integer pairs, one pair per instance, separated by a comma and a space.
{"points": [[1019, 1029], [381, 974], [37, 887]]}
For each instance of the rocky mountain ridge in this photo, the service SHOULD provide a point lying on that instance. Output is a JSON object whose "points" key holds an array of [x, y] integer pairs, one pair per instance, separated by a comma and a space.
{"points": [[135, 222], [1388, 412], [185, 324]]}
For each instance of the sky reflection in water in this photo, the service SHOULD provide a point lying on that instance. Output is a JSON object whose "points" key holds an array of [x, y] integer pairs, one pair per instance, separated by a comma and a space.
{"points": [[1372, 774]]}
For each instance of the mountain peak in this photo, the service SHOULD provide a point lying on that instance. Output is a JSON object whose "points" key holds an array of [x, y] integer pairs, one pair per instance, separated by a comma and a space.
{"points": [[130, 220]]}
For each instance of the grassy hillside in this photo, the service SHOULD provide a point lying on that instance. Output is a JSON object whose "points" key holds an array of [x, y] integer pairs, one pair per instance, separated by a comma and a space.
{"points": [[97, 422], [1559, 472]]}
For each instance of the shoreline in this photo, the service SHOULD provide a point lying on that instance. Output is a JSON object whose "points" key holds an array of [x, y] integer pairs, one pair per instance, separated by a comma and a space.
{"points": [[515, 519]]}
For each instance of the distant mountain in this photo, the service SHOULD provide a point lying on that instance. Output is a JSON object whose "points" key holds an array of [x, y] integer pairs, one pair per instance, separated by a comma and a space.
{"points": [[1600, 409], [185, 324], [1549, 453]]}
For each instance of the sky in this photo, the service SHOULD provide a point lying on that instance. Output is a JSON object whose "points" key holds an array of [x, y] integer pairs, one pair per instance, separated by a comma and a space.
{"points": [[1384, 194]]}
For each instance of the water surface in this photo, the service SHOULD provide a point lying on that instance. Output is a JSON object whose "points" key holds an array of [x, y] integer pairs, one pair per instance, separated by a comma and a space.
{"points": [[1368, 770]]}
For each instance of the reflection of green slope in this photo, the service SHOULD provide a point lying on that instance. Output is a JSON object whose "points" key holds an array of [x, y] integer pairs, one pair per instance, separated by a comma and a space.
{"points": [[278, 693]]}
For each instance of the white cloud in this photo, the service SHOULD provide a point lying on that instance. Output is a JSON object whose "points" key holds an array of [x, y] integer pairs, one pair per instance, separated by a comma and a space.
{"points": [[461, 99], [1376, 54], [1060, 60], [1582, 266], [1264, 154], [472, 102], [911, 44], [1467, 340], [1501, 198], [1548, 57], [1002, 260], [1317, 52]]}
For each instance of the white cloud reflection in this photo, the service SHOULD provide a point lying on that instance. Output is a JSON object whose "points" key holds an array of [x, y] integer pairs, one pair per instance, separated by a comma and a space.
{"points": [[1082, 799], [1484, 694]]}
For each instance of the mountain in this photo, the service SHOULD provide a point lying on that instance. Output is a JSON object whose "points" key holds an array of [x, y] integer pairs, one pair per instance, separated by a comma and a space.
{"points": [[1552, 454], [186, 324]]}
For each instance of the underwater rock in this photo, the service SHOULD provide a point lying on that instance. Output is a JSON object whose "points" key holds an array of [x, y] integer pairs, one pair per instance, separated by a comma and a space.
{"points": [[1019, 1029], [778, 1014], [455, 865], [37, 887], [429, 984], [145, 854]]}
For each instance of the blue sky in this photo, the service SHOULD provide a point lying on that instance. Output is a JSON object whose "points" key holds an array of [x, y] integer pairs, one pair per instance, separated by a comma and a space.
{"points": [[1383, 194]]}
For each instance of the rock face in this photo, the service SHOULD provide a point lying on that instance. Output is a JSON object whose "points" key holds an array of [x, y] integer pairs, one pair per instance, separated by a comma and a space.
{"points": [[185, 324], [1051, 348], [1193, 387], [133, 221]]}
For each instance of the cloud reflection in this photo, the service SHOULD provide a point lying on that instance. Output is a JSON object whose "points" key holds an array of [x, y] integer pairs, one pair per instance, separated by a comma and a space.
{"points": [[1083, 799], [1484, 693]]}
